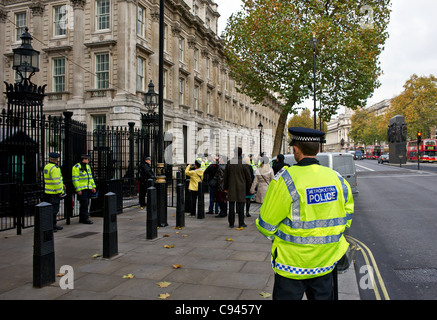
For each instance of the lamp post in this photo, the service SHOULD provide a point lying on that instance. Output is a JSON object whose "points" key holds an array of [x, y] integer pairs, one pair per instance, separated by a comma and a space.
{"points": [[260, 126], [160, 179], [313, 43]]}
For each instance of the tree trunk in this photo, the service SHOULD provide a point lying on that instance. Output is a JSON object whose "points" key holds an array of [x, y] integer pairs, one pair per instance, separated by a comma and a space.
{"points": [[279, 133]]}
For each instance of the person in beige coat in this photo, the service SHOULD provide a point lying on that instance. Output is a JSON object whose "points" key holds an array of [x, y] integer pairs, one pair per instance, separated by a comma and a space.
{"points": [[263, 175]]}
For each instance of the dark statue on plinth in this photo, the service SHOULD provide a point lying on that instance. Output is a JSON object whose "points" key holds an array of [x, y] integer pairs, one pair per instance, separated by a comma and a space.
{"points": [[397, 138]]}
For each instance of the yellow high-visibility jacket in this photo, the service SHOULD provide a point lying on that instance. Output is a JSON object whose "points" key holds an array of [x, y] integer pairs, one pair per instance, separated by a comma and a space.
{"points": [[306, 211], [195, 177], [82, 179], [53, 181]]}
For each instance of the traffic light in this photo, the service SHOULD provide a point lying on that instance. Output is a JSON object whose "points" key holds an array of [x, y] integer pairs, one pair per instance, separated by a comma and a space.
{"points": [[419, 137]]}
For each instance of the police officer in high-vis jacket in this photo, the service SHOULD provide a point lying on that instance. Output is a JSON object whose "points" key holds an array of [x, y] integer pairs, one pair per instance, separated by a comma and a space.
{"points": [[84, 186], [53, 186], [305, 212]]}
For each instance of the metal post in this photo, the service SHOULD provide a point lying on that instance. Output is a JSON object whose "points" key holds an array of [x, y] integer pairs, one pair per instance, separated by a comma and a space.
{"points": [[180, 206], [67, 165], [152, 214], [43, 246], [187, 196], [200, 202], [110, 238]]}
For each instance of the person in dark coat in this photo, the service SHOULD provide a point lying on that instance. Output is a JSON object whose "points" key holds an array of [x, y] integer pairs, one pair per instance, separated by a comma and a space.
{"points": [[211, 181], [237, 181], [145, 173], [278, 164]]}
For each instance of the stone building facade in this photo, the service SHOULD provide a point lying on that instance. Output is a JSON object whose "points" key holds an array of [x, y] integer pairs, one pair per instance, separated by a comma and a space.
{"points": [[98, 56]]}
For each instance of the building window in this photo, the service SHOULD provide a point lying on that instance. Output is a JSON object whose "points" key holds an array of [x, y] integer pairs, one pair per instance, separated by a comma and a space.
{"points": [[99, 124], [60, 20], [196, 59], [196, 97], [165, 84], [59, 75], [208, 98], [181, 48], [20, 24], [181, 90], [140, 74], [165, 37], [102, 71], [103, 14], [141, 22]]}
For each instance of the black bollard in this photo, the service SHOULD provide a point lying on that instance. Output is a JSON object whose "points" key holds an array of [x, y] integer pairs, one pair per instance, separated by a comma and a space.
{"points": [[180, 206], [187, 196], [152, 214], [43, 247], [110, 237], [200, 202]]}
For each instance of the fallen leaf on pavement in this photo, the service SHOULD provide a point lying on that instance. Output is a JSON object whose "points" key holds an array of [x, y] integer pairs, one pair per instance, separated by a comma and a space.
{"points": [[129, 276], [265, 294], [239, 228], [229, 239], [163, 284], [163, 296], [96, 255], [177, 266], [60, 274], [168, 247]]}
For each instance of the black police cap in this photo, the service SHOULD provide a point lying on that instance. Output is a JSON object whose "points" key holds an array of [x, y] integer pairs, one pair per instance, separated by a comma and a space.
{"points": [[54, 155], [306, 134]]}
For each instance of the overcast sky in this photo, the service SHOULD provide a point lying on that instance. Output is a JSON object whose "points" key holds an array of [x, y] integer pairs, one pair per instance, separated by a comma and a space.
{"points": [[411, 46]]}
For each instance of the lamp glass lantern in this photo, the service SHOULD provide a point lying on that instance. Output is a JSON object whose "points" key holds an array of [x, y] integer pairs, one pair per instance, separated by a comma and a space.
{"points": [[26, 59], [151, 98]]}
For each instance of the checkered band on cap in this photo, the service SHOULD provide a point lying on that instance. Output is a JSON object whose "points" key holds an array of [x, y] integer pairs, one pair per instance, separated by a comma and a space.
{"points": [[306, 139]]}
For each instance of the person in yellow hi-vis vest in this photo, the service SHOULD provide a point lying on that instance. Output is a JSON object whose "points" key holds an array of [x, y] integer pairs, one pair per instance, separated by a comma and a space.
{"points": [[305, 212], [53, 186], [84, 186]]}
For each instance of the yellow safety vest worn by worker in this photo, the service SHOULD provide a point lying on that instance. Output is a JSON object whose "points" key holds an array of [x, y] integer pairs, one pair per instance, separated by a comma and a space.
{"points": [[53, 182], [82, 179], [195, 177], [306, 211]]}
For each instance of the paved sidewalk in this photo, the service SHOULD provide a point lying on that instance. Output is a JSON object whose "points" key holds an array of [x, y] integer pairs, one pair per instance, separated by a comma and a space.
{"points": [[216, 262]]}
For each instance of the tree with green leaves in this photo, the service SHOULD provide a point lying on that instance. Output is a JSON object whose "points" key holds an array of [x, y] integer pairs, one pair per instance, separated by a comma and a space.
{"points": [[268, 48]]}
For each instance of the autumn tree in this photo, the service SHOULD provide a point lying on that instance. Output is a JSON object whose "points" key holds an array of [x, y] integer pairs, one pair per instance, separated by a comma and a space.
{"points": [[304, 119], [268, 50], [418, 104], [366, 128]]}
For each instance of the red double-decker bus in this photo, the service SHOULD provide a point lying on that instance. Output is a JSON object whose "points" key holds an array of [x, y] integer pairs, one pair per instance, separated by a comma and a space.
{"points": [[427, 149], [373, 152]]}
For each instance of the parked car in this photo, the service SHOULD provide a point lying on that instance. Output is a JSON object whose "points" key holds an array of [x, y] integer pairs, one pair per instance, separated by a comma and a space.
{"points": [[383, 158], [343, 163]]}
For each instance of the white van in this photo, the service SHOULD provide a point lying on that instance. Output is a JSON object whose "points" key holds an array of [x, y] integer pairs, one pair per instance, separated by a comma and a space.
{"points": [[341, 162]]}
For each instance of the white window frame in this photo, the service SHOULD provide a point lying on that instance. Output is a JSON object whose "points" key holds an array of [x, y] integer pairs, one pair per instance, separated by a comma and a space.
{"points": [[141, 21], [102, 72], [141, 68], [20, 24], [58, 74], [60, 20], [103, 15]]}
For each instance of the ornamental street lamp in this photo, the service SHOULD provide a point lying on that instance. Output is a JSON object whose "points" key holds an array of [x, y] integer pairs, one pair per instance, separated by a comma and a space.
{"points": [[151, 99], [26, 59], [260, 126]]}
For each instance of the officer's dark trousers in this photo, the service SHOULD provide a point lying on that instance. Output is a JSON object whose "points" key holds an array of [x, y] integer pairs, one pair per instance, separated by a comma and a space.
{"points": [[320, 288], [55, 200], [84, 201]]}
